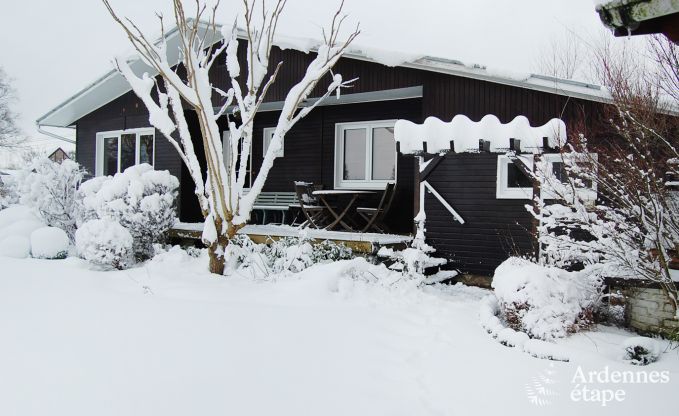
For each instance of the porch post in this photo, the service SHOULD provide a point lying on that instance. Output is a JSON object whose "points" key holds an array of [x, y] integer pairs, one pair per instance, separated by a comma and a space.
{"points": [[416, 190]]}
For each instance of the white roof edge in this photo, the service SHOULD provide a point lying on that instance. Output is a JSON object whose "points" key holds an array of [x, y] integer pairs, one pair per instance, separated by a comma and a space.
{"points": [[119, 87]]}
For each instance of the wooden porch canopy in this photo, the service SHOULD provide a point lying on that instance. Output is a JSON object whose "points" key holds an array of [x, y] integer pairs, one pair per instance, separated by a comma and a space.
{"points": [[461, 134]]}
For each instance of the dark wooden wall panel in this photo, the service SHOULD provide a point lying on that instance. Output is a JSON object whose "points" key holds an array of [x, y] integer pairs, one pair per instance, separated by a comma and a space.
{"points": [[371, 76], [493, 229]]}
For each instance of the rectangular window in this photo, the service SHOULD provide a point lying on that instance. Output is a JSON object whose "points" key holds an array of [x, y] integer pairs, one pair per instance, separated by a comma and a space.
{"points": [[110, 162], [267, 136], [118, 150], [512, 180], [128, 146], [146, 149], [354, 155], [365, 155]]}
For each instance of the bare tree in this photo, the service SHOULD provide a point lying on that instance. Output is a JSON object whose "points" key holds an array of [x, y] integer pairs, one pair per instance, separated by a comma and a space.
{"points": [[9, 132], [564, 56], [224, 204], [632, 229], [665, 53]]}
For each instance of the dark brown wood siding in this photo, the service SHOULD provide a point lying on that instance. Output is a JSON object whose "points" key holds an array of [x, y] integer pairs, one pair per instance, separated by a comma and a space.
{"points": [[371, 76], [494, 228], [446, 96], [309, 151]]}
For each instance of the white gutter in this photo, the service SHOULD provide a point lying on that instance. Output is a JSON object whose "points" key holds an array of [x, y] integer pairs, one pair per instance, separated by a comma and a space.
{"points": [[52, 135]]}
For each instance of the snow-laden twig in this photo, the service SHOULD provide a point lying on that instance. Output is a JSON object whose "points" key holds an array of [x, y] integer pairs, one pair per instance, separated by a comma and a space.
{"points": [[221, 193]]}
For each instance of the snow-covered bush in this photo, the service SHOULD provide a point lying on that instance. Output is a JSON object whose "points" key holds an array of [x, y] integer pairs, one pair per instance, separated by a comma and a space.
{"points": [[286, 254], [19, 220], [50, 188], [545, 302], [49, 243], [411, 261], [641, 350], [16, 225], [17, 246], [8, 195], [414, 260], [105, 242], [140, 199]]}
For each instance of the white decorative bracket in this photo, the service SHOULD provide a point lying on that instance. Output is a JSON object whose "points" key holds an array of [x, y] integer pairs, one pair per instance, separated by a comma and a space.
{"points": [[443, 202]]}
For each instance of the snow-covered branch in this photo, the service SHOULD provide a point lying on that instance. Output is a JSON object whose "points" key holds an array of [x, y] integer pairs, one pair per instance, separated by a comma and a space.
{"points": [[221, 193]]}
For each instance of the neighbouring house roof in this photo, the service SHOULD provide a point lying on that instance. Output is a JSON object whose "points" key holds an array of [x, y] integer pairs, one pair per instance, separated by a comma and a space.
{"points": [[112, 85], [58, 149], [641, 17]]}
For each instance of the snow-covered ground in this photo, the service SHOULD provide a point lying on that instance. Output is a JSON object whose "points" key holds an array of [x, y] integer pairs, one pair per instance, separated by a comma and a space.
{"points": [[166, 338]]}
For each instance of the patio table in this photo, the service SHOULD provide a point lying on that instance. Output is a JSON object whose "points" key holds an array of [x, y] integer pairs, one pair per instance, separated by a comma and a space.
{"points": [[324, 193]]}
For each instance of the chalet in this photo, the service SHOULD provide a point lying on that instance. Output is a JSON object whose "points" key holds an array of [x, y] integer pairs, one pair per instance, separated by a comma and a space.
{"points": [[348, 142]]}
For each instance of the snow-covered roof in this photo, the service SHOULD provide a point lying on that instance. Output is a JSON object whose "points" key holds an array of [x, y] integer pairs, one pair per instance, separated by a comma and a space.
{"points": [[112, 85], [466, 134]]}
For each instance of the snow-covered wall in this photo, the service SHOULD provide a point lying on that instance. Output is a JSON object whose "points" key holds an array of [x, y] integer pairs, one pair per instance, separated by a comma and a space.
{"points": [[466, 134]]}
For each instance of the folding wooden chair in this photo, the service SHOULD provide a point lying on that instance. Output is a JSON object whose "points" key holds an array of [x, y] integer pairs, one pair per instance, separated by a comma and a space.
{"points": [[314, 213], [374, 217]]}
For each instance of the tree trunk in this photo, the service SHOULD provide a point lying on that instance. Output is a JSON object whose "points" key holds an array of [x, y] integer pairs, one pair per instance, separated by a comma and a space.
{"points": [[216, 253], [216, 250]]}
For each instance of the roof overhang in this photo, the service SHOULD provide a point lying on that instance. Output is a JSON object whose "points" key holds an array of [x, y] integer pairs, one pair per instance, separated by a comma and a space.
{"points": [[113, 85], [109, 87], [641, 17]]}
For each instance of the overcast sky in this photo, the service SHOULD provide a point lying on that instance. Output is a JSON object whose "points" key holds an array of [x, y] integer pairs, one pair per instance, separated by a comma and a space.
{"points": [[53, 48]]}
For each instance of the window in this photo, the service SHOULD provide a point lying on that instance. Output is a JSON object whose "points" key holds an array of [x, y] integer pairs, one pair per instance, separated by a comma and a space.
{"points": [[556, 167], [226, 153], [512, 182], [118, 150], [267, 137], [365, 154]]}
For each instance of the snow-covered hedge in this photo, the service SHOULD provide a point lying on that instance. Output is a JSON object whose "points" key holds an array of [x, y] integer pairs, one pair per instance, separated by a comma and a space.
{"points": [[105, 242], [49, 243], [50, 188], [544, 302], [140, 199]]}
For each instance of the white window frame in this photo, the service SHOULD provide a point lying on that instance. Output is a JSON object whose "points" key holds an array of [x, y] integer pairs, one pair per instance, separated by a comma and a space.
{"points": [[144, 131], [502, 191], [340, 182], [267, 135], [225, 151], [586, 194]]}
